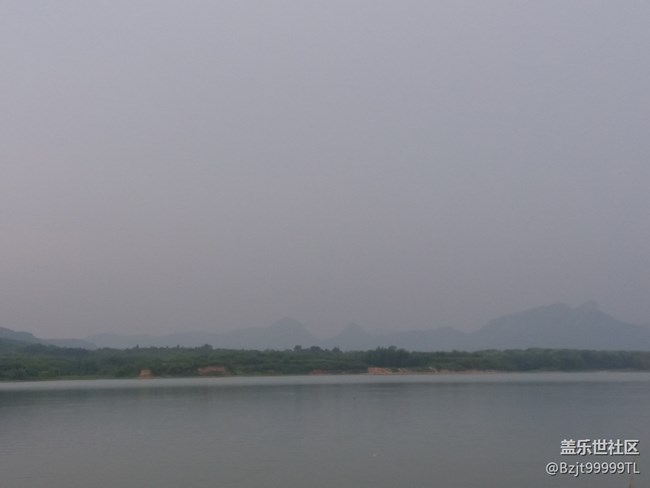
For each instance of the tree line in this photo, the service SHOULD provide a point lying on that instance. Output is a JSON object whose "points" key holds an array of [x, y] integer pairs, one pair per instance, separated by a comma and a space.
{"points": [[42, 362]]}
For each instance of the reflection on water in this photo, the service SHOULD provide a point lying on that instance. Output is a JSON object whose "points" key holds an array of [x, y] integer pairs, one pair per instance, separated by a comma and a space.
{"points": [[345, 431]]}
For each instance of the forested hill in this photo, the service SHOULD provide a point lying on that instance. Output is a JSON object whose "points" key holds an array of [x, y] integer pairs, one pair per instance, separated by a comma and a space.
{"points": [[21, 361]]}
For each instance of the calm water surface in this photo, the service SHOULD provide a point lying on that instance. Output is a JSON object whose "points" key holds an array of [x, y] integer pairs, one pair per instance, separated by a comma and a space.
{"points": [[329, 431]]}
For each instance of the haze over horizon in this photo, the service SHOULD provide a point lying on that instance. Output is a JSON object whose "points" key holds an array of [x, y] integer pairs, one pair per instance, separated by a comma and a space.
{"points": [[206, 165]]}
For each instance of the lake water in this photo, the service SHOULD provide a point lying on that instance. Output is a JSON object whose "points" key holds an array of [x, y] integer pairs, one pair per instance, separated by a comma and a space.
{"points": [[496, 430]]}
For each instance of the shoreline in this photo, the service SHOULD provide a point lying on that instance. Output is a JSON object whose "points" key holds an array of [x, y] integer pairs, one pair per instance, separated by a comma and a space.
{"points": [[329, 374]]}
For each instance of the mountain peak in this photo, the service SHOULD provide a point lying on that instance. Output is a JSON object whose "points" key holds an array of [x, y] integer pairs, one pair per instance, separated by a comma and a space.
{"points": [[560, 326], [287, 323], [588, 306], [352, 327]]}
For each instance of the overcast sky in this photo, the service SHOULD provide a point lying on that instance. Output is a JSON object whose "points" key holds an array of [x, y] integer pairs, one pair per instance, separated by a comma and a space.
{"points": [[211, 165]]}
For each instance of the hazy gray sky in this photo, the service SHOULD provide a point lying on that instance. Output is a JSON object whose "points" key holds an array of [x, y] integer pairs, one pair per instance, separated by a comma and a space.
{"points": [[171, 165]]}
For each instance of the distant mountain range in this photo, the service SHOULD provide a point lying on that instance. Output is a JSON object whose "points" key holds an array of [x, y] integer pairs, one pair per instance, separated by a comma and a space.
{"points": [[283, 334], [551, 326], [12, 335]]}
